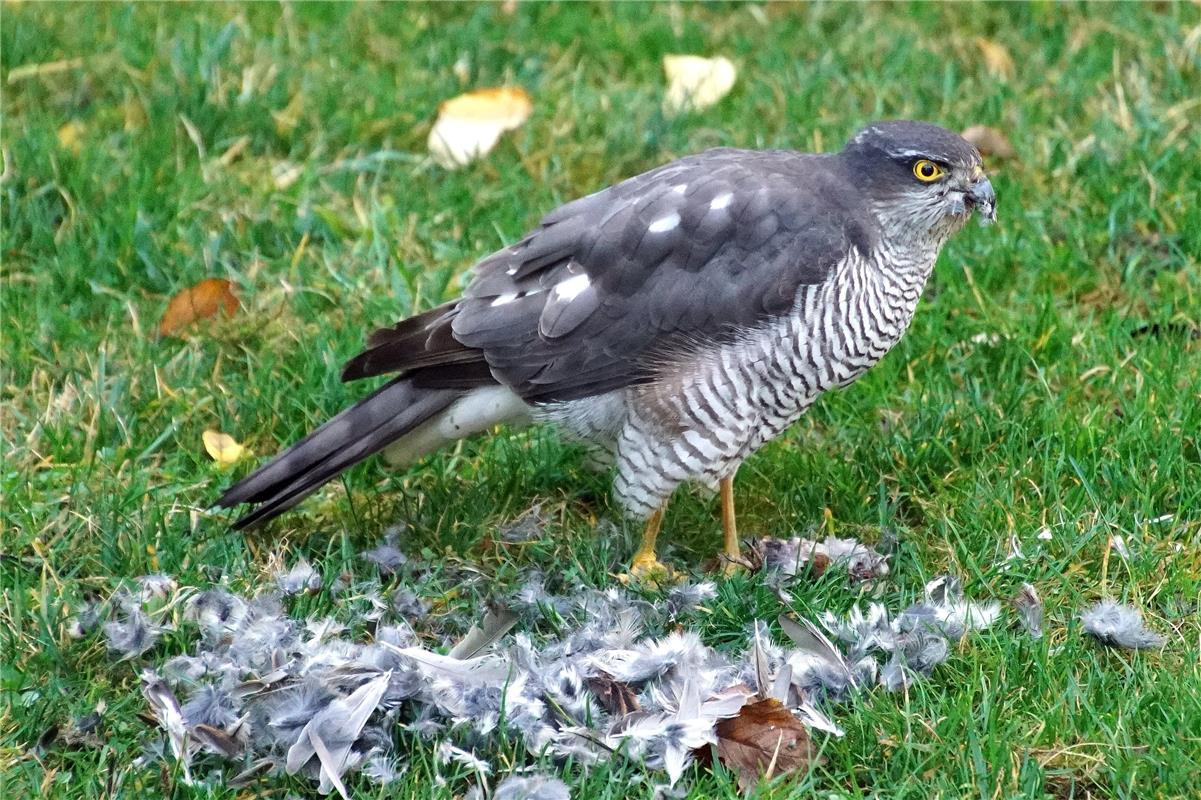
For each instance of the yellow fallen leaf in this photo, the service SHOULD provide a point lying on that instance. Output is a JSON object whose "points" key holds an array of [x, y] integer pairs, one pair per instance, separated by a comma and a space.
{"points": [[696, 82], [224, 449], [287, 118], [70, 135], [469, 126], [997, 60], [206, 299], [134, 115]]}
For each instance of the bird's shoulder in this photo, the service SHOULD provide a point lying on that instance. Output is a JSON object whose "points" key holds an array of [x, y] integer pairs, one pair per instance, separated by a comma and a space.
{"points": [[710, 209]]}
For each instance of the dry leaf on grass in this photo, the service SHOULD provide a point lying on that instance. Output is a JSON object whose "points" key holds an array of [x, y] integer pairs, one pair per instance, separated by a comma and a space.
{"points": [[989, 141], [287, 118], [133, 114], [70, 136], [470, 125], [696, 82], [285, 173], [764, 740], [205, 299], [224, 448], [997, 60], [614, 696]]}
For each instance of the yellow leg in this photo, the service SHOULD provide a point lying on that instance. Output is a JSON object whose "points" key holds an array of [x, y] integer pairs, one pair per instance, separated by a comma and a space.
{"points": [[729, 528], [646, 565]]}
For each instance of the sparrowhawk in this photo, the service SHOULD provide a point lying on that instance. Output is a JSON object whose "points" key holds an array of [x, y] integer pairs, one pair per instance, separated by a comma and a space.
{"points": [[677, 320]]}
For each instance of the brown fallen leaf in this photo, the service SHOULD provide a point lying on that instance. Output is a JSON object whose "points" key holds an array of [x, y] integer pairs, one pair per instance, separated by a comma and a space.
{"points": [[614, 696], [997, 60], [989, 141], [763, 741], [206, 299]]}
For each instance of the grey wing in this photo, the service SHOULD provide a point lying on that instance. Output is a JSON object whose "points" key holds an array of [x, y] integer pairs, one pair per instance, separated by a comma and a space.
{"points": [[590, 301]]}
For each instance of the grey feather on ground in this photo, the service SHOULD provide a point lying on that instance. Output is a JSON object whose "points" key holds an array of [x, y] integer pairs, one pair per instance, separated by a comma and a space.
{"points": [[1119, 625], [1030, 610], [301, 578], [531, 787], [386, 555], [131, 635]]}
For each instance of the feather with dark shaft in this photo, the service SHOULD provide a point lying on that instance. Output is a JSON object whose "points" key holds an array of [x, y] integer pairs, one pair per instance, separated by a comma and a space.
{"points": [[497, 622], [331, 733], [360, 431], [1030, 610], [165, 705]]}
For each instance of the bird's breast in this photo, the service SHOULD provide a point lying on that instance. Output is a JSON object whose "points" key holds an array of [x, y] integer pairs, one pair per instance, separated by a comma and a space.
{"points": [[741, 395]]}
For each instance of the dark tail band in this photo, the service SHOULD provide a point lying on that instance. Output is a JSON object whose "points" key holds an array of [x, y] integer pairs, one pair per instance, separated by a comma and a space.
{"points": [[360, 431]]}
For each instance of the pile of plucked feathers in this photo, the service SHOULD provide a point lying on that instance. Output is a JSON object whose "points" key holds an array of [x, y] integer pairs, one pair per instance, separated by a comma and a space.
{"points": [[268, 693]]}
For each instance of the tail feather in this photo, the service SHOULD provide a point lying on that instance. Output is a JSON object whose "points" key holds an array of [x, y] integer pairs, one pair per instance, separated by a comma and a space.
{"points": [[360, 431]]}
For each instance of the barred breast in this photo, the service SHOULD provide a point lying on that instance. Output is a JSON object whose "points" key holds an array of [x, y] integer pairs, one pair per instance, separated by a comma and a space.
{"points": [[709, 413]]}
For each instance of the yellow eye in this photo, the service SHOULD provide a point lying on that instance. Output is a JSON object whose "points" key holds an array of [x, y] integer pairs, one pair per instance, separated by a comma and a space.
{"points": [[927, 171]]}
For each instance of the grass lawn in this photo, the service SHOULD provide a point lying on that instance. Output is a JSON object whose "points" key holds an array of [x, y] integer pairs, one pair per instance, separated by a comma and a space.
{"points": [[283, 148]]}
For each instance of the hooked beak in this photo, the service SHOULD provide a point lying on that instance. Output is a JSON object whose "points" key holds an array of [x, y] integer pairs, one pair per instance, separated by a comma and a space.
{"points": [[982, 198]]}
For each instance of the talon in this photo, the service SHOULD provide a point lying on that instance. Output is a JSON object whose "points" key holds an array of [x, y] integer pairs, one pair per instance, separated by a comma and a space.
{"points": [[648, 569], [730, 567], [646, 566]]}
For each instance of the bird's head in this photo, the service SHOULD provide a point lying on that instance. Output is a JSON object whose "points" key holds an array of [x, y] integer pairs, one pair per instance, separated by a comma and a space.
{"points": [[922, 180]]}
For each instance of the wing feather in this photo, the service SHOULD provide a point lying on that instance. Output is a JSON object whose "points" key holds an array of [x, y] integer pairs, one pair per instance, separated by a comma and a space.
{"points": [[606, 285]]}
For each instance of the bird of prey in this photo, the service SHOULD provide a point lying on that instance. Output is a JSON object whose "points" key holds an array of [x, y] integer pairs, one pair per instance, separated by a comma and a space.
{"points": [[676, 321]]}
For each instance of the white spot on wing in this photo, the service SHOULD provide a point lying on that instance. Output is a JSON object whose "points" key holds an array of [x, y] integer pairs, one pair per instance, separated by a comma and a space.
{"points": [[680, 188], [721, 201], [665, 224], [508, 297], [569, 289]]}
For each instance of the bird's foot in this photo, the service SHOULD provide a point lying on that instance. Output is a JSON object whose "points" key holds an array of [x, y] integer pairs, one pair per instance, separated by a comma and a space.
{"points": [[648, 570], [730, 557], [731, 566]]}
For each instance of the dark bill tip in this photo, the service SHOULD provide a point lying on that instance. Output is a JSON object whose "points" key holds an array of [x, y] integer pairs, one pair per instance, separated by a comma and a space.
{"points": [[984, 200]]}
